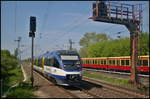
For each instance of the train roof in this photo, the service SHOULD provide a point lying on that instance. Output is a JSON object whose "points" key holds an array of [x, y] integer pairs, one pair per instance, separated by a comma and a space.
{"points": [[58, 52], [65, 52], [121, 57]]}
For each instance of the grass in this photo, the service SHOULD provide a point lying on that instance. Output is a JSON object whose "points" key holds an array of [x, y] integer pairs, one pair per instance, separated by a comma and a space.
{"points": [[22, 90], [115, 81]]}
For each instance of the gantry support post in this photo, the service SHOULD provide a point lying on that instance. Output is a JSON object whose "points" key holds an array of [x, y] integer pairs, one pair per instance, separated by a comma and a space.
{"points": [[123, 14], [134, 53]]}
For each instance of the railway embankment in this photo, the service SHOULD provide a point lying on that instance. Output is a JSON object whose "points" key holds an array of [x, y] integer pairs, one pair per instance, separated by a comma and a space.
{"points": [[115, 80]]}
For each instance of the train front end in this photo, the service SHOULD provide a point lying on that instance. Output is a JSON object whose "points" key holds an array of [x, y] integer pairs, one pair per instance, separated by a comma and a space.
{"points": [[72, 68]]}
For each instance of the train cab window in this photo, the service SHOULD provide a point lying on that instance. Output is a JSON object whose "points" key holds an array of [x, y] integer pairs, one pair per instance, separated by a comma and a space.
{"points": [[56, 63], [145, 62]]}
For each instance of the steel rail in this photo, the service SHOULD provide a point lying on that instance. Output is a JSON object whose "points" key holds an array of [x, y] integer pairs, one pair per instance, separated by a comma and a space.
{"points": [[116, 87]]}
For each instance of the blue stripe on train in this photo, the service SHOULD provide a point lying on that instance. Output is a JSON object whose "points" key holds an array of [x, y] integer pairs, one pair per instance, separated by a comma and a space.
{"points": [[56, 76]]}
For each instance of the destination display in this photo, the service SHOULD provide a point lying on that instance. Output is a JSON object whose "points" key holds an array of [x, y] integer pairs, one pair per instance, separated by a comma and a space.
{"points": [[66, 57]]}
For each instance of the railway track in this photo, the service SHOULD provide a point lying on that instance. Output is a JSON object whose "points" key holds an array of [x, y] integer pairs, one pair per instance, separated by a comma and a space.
{"points": [[87, 89], [144, 79], [74, 91], [114, 72], [118, 88], [52, 84]]}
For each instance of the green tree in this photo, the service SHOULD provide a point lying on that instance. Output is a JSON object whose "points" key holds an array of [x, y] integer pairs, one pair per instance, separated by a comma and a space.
{"points": [[8, 62], [92, 37], [144, 44]]}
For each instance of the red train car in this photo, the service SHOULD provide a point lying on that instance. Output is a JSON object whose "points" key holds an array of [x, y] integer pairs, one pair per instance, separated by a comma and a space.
{"points": [[116, 63]]}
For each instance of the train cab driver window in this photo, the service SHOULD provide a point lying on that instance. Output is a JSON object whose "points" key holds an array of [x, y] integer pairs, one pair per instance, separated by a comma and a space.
{"points": [[56, 63]]}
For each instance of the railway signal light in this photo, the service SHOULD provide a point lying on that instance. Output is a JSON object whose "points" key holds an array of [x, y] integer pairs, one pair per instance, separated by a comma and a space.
{"points": [[31, 34], [32, 24]]}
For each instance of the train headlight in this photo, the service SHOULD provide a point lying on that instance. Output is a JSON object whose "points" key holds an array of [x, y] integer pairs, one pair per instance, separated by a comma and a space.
{"points": [[65, 65]]}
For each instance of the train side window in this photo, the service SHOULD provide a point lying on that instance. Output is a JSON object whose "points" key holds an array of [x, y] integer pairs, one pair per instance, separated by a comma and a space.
{"points": [[40, 62], [127, 62], [87, 61], [145, 62], [104, 62], [47, 62], [109, 62], [95, 62], [113, 62], [123, 62], [92, 61], [34, 62], [82, 61], [118, 62], [140, 62], [99, 62]]}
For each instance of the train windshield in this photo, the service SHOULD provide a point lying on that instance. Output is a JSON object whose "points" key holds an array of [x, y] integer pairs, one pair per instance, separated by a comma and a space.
{"points": [[71, 62]]}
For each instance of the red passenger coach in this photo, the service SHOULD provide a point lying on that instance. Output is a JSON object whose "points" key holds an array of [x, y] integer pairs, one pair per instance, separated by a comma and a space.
{"points": [[116, 63]]}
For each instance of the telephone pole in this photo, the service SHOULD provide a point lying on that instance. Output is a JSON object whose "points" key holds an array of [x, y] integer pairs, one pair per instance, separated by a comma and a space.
{"points": [[70, 42], [18, 49]]}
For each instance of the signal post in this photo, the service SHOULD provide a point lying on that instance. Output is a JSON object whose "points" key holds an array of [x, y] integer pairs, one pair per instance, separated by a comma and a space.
{"points": [[32, 34]]}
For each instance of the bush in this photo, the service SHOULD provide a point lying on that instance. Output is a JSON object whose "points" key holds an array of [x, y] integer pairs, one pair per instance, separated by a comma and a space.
{"points": [[8, 62]]}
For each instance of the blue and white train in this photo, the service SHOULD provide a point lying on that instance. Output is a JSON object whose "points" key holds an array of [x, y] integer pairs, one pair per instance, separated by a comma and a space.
{"points": [[64, 67]]}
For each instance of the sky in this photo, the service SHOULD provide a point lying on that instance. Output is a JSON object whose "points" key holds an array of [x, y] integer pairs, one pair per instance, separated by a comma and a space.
{"points": [[57, 22]]}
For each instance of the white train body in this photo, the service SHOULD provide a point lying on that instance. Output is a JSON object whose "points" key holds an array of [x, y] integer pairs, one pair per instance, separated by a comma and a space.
{"points": [[64, 67]]}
